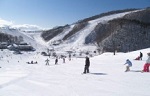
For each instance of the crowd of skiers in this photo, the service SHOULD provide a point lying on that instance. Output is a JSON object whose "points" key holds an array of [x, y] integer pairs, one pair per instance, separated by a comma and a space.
{"points": [[87, 63], [128, 63], [56, 60]]}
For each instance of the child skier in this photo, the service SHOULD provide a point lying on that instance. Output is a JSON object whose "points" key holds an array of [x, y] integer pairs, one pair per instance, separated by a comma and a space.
{"points": [[129, 64], [47, 62]]}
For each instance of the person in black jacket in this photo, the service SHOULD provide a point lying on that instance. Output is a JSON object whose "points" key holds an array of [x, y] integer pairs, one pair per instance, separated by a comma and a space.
{"points": [[56, 60], [141, 55], [87, 64]]}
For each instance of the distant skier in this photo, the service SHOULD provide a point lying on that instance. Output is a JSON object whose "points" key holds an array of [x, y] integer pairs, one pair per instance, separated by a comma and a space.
{"points": [[63, 59], [87, 64], [47, 62], [128, 65], [147, 64], [36, 62], [56, 61], [141, 55], [69, 57]]}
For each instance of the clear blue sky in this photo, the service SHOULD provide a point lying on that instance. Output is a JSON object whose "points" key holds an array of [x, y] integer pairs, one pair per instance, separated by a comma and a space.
{"points": [[50, 13]]}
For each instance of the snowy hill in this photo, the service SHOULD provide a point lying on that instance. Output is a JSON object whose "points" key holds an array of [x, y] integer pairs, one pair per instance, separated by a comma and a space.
{"points": [[107, 32], [33, 38], [77, 40], [106, 78]]}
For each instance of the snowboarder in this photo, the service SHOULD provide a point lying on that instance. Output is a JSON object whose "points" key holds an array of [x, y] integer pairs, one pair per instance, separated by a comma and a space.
{"points": [[141, 55], [87, 64], [147, 64], [56, 61], [47, 62], [129, 64]]}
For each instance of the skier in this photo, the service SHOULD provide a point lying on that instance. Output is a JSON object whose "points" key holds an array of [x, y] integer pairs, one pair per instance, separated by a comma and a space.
{"points": [[56, 60], [129, 64], [141, 55], [63, 59], [69, 57], [147, 64], [47, 62], [87, 64]]}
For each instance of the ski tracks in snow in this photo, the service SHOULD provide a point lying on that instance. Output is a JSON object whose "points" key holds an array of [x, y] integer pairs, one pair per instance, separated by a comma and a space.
{"points": [[11, 77]]}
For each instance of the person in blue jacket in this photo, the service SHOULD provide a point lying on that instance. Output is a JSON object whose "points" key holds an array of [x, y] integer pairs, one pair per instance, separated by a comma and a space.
{"points": [[128, 65]]}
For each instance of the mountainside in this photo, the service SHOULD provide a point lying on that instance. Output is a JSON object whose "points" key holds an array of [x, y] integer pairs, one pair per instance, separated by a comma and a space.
{"points": [[129, 33], [123, 30], [12, 35]]}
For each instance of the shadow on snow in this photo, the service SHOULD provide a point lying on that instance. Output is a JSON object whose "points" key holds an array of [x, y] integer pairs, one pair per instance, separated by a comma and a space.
{"points": [[135, 70], [98, 73]]}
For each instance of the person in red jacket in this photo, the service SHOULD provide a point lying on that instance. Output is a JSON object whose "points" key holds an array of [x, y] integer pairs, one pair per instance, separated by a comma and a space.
{"points": [[147, 64]]}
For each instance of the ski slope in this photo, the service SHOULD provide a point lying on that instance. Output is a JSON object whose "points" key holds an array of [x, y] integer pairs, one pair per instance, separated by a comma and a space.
{"points": [[77, 41], [106, 78]]}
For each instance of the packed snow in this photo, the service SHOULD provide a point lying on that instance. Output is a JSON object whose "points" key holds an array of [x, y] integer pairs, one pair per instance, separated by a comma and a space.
{"points": [[106, 77]]}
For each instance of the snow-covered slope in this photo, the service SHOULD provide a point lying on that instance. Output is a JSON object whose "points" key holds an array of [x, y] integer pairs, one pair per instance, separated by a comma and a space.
{"points": [[36, 35], [31, 38], [77, 40], [106, 78]]}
